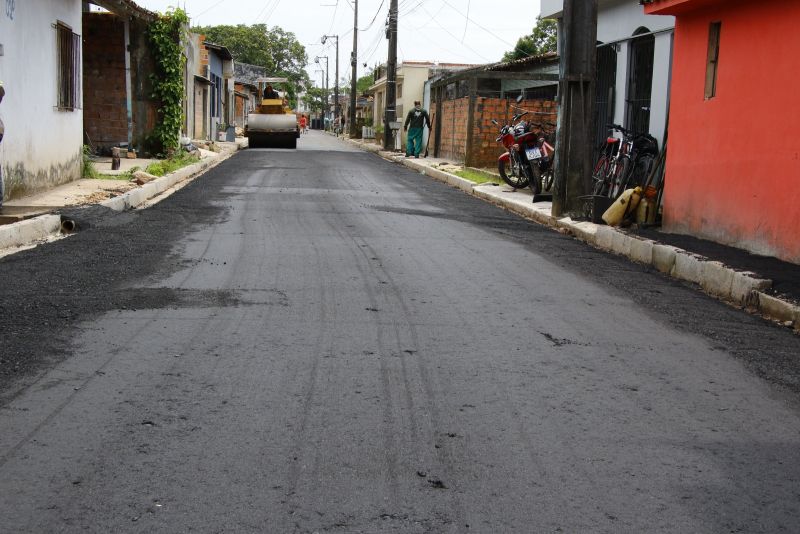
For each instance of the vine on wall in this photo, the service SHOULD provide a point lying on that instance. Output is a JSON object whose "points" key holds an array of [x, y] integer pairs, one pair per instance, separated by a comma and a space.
{"points": [[166, 35]]}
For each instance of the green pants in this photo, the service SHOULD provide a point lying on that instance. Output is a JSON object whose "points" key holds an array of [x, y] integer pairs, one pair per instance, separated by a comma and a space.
{"points": [[414, 142]]}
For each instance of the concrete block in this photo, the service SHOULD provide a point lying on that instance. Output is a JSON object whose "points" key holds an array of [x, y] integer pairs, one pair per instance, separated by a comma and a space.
{"points": [[604, 237], [642, 251], [688, 267], [778, 309], [149, 190], [134, 198], [717, 279], [745, 285], [117, 203], [664, 257], [29, 231], [621, 243]]}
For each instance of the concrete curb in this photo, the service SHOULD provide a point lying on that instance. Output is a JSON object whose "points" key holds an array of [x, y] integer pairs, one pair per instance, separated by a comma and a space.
{"points": [[30, 231], [742, 289]]}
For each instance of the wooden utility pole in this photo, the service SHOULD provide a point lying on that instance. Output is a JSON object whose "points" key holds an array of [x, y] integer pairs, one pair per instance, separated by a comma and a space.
{"points": [[354, 78], [577, 36], [391, 78]]}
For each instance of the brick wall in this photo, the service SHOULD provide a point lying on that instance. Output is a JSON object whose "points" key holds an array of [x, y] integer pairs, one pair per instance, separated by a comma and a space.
{"points": [[485, 150], [105, 118]]}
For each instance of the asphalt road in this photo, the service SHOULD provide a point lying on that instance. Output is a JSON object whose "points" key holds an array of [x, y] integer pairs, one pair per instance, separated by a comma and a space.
{"points": [[322, 341]]}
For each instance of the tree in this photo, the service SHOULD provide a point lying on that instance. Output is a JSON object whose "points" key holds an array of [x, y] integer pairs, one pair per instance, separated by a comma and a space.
{"points": [[540, 41], [273, 48], [315, 99], [362, 84]]}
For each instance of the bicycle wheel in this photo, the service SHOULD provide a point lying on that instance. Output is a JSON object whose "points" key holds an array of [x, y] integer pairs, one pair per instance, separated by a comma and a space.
{"points": [[511, 172], [600, 176], [619, 180]]}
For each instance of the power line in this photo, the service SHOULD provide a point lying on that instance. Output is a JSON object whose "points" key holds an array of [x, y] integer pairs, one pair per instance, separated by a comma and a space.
{"points": [[375, 17]]}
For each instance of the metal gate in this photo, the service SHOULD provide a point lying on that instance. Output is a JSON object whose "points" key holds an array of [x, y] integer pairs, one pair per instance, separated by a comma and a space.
{"points": [[606, 83], [640, 83]]}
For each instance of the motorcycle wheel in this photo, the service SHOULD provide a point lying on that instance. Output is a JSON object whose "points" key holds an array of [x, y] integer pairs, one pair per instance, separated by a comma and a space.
{"points": [[547, 179], [513, 177], [536, 181]]}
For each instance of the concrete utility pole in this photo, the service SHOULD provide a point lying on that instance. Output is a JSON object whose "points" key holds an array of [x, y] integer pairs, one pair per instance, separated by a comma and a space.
{"points": [[577, 36], [391, 77], [336, 84], [326, 89], [354, 79]]}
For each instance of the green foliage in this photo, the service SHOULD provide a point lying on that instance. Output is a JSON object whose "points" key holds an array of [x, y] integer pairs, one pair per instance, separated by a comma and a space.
{"points": [[278, 51], [315, 99], [478, 177], [166, 36], [542, 40], [362, 84], [166, 166], [88, 169]]}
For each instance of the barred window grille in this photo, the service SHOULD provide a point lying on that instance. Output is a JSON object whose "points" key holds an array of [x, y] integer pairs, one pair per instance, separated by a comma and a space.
{"points": [[69, 68]]}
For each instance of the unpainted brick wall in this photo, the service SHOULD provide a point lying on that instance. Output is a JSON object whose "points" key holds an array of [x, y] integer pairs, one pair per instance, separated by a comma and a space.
{"points": [[104, 99], [485, 150]]}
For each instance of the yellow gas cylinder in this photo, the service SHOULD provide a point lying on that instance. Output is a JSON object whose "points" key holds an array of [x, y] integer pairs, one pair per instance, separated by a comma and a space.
{"points": [[625, 204]]}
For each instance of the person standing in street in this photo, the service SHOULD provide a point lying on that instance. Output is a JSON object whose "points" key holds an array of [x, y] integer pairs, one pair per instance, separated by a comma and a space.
{"points": [[418, 119]]}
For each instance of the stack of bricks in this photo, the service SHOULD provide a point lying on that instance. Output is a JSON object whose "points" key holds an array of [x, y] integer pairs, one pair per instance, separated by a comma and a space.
{"points": [[453, 144], [105, 114]]}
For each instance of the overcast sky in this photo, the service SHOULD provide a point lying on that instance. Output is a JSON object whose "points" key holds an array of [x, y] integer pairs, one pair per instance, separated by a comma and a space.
{"points": [[429, 30]]}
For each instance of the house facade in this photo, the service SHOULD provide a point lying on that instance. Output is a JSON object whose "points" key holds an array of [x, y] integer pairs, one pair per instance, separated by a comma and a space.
{"points": [[634, 56], [221, 99], [41, 70], [733, 170]]}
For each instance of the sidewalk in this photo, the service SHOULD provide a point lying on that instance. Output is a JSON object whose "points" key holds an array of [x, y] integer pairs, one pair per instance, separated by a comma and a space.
{"points": [[29, 220], [756, 283]]}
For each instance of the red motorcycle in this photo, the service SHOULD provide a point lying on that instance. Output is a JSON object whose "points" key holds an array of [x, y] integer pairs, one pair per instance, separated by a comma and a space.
{"points": [[528, 156]]}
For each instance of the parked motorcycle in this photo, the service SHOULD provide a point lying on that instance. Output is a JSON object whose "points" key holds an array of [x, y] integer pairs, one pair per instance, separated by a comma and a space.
{"points": [[528, 160]]}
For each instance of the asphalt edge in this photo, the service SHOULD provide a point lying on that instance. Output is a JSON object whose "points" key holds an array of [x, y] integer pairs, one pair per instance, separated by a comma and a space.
{"points": [[743, 290], [36, 229]]}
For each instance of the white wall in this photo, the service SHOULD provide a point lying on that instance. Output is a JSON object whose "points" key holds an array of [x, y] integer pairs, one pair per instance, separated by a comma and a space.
{"points": [[618, 20], [42, 146]]}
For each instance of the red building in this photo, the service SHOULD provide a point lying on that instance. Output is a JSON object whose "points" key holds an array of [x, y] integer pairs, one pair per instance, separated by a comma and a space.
{"points": [[733, 165]]}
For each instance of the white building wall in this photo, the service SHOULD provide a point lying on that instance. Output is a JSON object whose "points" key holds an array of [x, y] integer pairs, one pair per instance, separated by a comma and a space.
{"points": [[42, 146], [618, 20]]}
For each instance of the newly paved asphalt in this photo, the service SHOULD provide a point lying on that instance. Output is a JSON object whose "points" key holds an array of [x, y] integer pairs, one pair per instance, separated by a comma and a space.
{"points": [[322, 341]]}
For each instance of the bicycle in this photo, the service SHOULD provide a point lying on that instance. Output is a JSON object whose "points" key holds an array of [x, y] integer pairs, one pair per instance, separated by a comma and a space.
{"points": [[623, 163]]}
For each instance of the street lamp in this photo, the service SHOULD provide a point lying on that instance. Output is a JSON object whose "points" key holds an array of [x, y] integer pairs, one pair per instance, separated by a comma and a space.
{"points": [[325, 88], [336, 86]]}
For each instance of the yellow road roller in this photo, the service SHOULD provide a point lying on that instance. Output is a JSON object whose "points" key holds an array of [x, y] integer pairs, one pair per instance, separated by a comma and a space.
{"points": [[273, 124]]}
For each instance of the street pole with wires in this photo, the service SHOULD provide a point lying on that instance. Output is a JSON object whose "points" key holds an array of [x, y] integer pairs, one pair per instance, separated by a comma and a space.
{"points": [[354, 77], [325, 89], [391, 78], [336, 84]]}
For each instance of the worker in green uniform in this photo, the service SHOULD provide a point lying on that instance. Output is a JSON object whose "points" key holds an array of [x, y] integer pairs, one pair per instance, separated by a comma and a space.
{"points": [[418, 119]]}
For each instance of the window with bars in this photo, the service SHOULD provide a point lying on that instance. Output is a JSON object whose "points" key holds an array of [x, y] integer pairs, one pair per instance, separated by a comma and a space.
{"points": [[69, 67]]}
